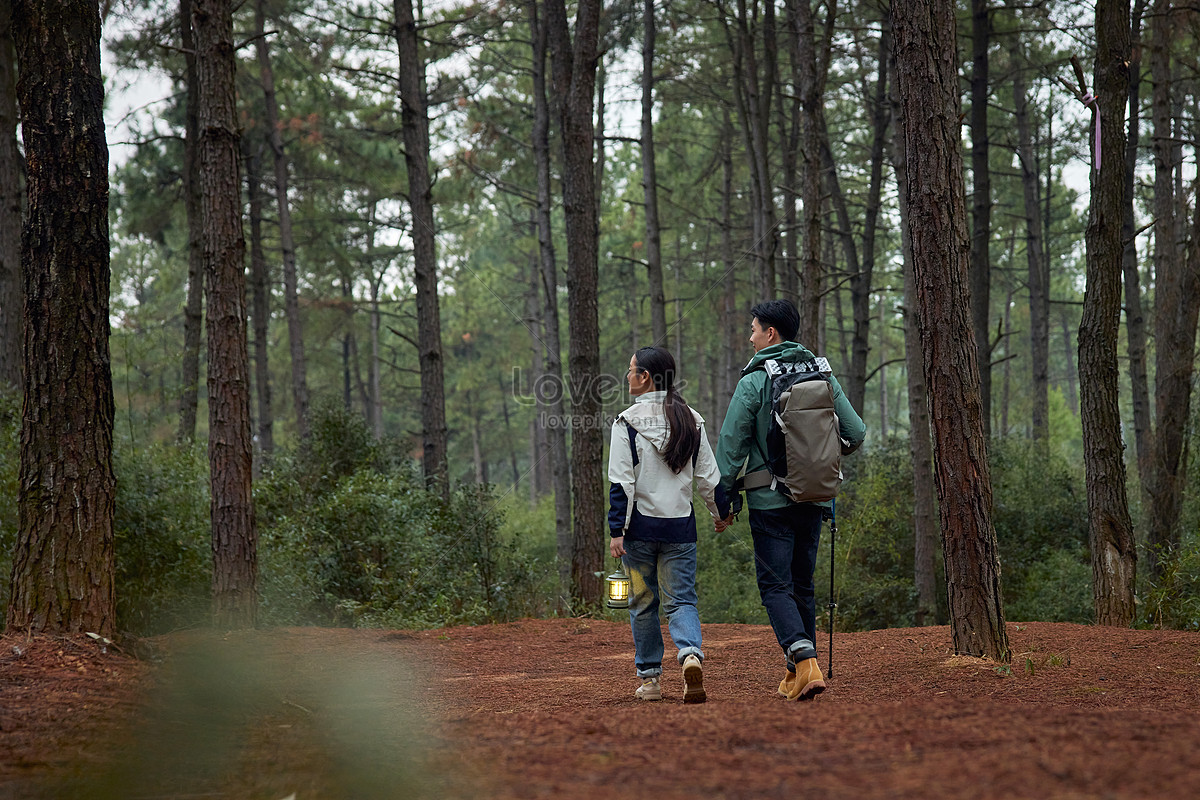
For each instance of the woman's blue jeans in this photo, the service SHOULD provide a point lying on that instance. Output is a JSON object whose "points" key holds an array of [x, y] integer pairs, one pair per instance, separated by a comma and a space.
{"points": [[666, 570], [785, 555]]}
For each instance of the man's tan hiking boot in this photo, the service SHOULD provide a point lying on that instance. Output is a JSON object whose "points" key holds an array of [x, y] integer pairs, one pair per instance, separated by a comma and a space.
{"points": [[809, 681], [649, 690], [785, 685], [693, 681]]}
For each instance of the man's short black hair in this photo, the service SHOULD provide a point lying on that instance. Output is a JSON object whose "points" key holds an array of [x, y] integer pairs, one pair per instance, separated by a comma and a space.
{"points": [[780, 315]]}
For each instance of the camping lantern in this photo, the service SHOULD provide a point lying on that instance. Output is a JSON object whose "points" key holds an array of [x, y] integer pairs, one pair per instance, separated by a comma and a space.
{"points": [[616, 589]]}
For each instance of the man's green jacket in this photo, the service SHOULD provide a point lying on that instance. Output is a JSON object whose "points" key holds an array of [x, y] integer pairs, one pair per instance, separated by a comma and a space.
{"points": [[748, 419]]}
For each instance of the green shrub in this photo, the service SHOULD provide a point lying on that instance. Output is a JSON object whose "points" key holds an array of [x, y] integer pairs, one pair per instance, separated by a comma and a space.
{"points": [[379, 550], [1058, 589], [874, 548], [1174, 600], [163, 550], [726, 588], [1040, 516]]}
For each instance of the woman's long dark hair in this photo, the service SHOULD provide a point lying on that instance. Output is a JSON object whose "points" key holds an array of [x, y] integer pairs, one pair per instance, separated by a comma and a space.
{"points": [[684, 440]]}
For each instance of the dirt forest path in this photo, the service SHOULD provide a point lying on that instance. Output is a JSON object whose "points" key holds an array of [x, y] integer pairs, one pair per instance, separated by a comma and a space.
{"points": [[545, 709]]}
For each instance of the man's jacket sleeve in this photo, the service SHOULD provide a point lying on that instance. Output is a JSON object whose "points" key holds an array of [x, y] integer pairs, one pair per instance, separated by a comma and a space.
{"points": [[852, 428], [620, 473], [738, 432], [708, 480]]}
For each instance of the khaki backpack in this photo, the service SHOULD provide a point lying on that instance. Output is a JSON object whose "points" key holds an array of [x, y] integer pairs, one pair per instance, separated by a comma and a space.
{"points": [[804, 443]]}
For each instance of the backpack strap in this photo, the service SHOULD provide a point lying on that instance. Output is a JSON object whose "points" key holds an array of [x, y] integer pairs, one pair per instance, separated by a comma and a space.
{"points": [[632, 441], [633, 445], [760, 479]]}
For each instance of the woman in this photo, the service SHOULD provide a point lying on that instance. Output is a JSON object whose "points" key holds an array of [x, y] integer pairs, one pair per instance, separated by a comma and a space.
{"points": [[658, 447]]}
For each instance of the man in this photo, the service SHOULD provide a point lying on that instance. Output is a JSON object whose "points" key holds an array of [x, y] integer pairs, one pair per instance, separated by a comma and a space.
{"points": [[786, 534]]}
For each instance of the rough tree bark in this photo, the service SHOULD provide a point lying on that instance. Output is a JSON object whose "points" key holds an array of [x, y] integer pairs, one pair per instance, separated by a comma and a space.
{"points": [[230, 450], [573, 66], [1110, 532], [654, 266], [926, 76], [375, 324], [415, 123], [753, 89], [10, 209], [862, 269], [1135, 317], [810, 84], [730, 364], [551, 389], [287, 244], [981, 202], [193, 311], [1175, 314], [538, 473], [1039, 278], [788, 116], [63, 562], [1177, 300], [919, 444]]}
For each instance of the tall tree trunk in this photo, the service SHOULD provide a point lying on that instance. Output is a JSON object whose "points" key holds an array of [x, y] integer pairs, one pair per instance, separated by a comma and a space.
{"points": [[10, 209], [632, 322], [539, 471], [835, 297], [537, 371], [1110, 532], [1005, 391], [883, 395], [476, 438], [919, 445], [348, 346], [287, 244], [573, 65], [880, 117], [374, 371], [1039, 279], [981, 202], [654, 267], [1071, 371], [730, 364], [1135, 318], [754, 110], [193, 312], [415, 123], [926, 79], [555, 426], [598, 136], [810, 87], [230, 459], [789, 120], [1176, 307], [862, 271], [63, 563], [1177, 280], [260, 287], [512, 453]]}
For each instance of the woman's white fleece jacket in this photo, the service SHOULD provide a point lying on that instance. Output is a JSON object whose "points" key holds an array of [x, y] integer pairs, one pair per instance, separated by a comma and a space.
{"points": [[647, 500]]}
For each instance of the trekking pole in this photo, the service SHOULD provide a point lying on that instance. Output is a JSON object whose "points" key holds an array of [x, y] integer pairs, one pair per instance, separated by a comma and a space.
{"points": [[832, 605]]}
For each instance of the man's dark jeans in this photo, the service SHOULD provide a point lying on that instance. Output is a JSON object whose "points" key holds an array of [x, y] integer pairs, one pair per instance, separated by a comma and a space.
{"points": [[785, 555]]}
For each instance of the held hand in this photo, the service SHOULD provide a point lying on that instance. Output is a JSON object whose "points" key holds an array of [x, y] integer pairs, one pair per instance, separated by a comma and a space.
{"points": [[721, 524], [616, 546]]}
